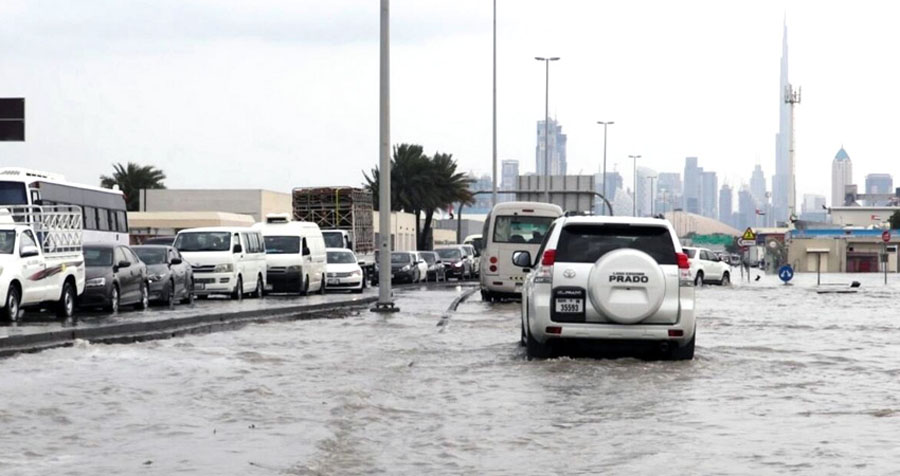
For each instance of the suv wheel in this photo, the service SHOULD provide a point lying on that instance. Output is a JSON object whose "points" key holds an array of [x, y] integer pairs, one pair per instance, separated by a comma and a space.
{"points": [[685, 352], [65, 308], [726, 279], [535, 349], [698, 281]]}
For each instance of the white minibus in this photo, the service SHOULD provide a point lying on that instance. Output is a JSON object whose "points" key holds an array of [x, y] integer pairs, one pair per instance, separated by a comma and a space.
{"points": [[225, 260], [295, 255]]}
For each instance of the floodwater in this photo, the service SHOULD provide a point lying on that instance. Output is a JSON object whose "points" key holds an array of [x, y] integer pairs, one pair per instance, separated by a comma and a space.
{"points": [[785, 381]]}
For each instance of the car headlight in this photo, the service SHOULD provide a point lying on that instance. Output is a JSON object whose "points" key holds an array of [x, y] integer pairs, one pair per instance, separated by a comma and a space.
{"points": [[356, 273], [224, 268], [405, 268], [95, 282], [154, 277], [458, 264]]}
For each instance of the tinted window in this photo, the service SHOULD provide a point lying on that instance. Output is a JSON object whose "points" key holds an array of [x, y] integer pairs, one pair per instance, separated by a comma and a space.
{"points": [[333, 239], [340, 257], [691, 252], [8, 241], [90, 218], [151, 255], [13, 193], [282, 245], [521, 229], [122, 221], [102, 219], [587, 243], [401, 258], [449, 253], [203, 241], [98, 256], [252, 244]]}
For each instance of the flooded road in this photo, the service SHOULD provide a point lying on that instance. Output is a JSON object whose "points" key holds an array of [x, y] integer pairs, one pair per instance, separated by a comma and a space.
{"points": [[786, 381]]}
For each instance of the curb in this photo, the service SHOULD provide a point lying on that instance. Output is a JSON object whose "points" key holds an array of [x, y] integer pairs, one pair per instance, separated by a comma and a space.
{"points": [[128, 332]]}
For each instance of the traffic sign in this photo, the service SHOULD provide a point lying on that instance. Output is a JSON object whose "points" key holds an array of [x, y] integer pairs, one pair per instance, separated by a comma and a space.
{"points": [[749, 235], [886, 236], [786, 273], [743, 242]]}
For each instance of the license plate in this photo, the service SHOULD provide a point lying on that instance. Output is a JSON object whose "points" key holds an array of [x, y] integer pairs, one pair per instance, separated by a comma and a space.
{"points": [[334, 281], [569, 306], [269, 287], [199, 286]]}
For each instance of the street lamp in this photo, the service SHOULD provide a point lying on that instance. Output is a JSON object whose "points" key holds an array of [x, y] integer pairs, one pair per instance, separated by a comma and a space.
{"points": [[604, 153], [547, 124], [634, 190]]}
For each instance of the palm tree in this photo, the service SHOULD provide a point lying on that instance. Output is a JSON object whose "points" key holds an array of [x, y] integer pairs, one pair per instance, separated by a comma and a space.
{"points": [[131, 179], [447, 187]]}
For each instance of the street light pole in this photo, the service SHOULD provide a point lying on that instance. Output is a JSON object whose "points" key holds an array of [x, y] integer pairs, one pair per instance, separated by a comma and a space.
{"points": [[651, 193], [604, 153], [494, 132], [385, 297], [547, 125], [634, 190]]}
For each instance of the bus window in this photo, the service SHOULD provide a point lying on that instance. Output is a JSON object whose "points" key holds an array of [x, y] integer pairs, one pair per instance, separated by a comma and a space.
{"points": [[13, 193], [90, 218], [103, 219], [122, 219]]}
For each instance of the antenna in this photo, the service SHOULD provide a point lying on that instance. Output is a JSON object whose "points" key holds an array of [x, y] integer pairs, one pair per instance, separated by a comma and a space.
{"points": [[792, 97]]}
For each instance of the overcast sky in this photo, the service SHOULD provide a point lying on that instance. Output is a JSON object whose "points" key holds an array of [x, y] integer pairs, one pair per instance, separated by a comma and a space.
{"points": [[276, 94]]}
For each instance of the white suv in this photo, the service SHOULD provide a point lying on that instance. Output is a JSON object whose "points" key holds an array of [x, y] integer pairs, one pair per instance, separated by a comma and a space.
{"points": [[621, 280], [706, 267]]}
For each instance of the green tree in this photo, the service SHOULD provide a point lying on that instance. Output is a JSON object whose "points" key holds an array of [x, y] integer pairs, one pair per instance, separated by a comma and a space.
{"points": [[131, 178], [895, 220], [422, 184]]}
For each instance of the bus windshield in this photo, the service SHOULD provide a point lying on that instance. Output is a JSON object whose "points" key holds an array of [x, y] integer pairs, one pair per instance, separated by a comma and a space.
{"points": [[282, 245], [13, 193], [203, 241], [521, 229]]}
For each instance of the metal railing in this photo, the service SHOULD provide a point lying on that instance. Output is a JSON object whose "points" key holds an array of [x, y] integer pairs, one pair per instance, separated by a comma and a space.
{"points": [[57, 228]]}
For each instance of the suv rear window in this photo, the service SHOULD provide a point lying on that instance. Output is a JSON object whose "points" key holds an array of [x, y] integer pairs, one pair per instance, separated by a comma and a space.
{"points": [[587, 243]]}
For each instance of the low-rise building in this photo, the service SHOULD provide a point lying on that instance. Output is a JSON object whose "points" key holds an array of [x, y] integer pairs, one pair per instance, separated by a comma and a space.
{"points": [[842, 250], [143, 225], [254, 202]]}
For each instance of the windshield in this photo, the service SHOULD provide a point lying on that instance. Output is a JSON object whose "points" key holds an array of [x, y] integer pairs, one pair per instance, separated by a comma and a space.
{"points": [[340, 257], [401, 258], [203, 241], [449, 253], [151, 255], [13, 193], [282, 245], [521, 229], [98, 256], [333, 239], [428, 257], [7, 242]]}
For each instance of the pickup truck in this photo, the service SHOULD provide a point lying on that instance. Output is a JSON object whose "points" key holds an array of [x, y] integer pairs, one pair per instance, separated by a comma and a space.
{"points": [[41, 261]]}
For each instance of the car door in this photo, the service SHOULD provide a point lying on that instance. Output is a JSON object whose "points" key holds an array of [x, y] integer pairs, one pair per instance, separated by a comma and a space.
{"points": [[39, 289]]}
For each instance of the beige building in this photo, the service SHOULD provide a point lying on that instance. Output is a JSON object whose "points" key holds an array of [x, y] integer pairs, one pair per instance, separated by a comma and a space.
{"points": [[403, 231], [142, 225], [842, 254], [861, 216], [254, 202]]}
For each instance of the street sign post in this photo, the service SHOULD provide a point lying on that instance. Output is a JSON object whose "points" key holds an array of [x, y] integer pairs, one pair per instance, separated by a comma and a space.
{"points": [[786, 273]]}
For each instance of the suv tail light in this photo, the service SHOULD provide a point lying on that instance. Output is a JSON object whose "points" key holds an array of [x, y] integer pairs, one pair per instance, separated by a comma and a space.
{"points": [[683, 261], [545, 272], [684, 270]]}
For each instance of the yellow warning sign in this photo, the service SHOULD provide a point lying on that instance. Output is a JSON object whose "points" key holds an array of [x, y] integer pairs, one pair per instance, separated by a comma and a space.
{"points": [[749, 235]]}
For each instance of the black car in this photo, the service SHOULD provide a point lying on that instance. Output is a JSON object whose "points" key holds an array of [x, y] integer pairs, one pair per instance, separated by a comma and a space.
{"points": [[455, 263], [170, 277], [403, 267], [114, 276]]}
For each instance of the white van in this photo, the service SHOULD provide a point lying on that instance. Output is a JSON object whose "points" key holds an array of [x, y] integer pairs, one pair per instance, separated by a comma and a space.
{"points": [[511, 226], [225, 260], [295, 255]]}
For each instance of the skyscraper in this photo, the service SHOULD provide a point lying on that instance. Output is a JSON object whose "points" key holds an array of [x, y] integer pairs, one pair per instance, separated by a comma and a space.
{"points": [[879, 184], [557, 143], [668, 191], [645, 193], [725, 198], [709, 190], [813, 208], [746, 215], [692, 185], [783, 174], [841, 176], [509, 179], [758, 187]]}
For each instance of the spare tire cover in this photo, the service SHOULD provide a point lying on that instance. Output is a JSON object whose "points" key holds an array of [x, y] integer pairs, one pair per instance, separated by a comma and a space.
{"points": [[627, 286]]}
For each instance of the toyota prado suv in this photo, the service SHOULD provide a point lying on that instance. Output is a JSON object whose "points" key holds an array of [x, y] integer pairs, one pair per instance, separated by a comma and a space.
{"points": [[619, 280]]}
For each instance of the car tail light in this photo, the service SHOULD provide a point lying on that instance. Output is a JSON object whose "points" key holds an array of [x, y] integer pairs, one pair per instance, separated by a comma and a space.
{"points": [[549, 258], [493, 260], [554, 330], [683, 261], [493, 269], [676, 333]]}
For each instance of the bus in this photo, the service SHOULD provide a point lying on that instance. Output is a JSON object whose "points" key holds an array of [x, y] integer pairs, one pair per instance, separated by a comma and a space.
{"points": [[103, 210], [510, 227]]}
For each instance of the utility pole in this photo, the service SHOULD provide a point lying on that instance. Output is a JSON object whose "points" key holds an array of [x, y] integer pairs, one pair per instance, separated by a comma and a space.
{"points": [[605, 124], [792, 98], [494, 129], [634, 190], [385, 296], [547, 124]]}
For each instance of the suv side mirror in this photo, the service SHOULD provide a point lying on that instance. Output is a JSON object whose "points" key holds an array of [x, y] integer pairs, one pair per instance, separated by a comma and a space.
{"points": [[522, 259], [28, 251], [176, 261], [238, 249], [123, 264]]}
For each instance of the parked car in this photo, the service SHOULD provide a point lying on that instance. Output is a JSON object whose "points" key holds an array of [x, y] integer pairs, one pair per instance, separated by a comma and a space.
{"points": [[295, 255], [170, 277], [342, 271], [707, 268], [225, 260], [115, 277], [456, 261], [612, 280], [436, 271], [404, 267]]}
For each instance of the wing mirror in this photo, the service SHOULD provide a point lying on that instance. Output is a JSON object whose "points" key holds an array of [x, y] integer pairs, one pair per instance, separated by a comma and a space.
{"points": [[238, 249], [28, 251], [123, 264], [176, 261], [306, 251], [522, 259]]}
